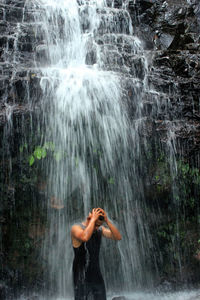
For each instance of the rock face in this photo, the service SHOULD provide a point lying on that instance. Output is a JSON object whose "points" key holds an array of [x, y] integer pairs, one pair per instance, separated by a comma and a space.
{"points": [[170, 31], [170, 35], [18, 82]]}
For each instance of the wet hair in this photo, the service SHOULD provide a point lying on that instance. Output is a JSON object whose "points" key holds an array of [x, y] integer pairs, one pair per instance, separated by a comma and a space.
{"points": [[101, 218]]}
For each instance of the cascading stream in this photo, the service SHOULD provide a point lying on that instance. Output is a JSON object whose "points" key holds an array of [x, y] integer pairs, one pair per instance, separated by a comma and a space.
{"points": [[95, 154]]}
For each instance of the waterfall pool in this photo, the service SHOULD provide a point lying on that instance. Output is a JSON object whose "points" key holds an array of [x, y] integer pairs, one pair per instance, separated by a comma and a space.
{"points": [[139, 295], [181, 295]]}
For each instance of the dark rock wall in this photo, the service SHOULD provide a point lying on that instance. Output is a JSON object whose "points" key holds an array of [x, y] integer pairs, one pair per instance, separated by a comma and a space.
{"points": [[22, 219], [170, 31], [17, 54]]}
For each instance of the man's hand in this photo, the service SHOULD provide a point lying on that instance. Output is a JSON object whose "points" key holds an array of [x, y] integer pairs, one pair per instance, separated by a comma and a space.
{"points": [[96, 212], [103, 213], [83, 235], [111, 232], [105, 216]]}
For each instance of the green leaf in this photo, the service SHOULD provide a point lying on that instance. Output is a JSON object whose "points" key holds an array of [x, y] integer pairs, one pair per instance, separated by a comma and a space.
{"points": [[38, 153], [57, 156], [111, 180], [31, 160], [21, 148], [44, 153], [27, 245], [49, 146]]}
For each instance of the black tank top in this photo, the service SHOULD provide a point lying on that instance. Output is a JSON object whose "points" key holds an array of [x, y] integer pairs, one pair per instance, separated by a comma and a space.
{"points": [[86, 260]]}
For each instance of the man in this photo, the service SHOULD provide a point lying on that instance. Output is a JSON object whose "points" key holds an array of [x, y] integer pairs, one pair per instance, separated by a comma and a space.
{"points": [[86, 240]]}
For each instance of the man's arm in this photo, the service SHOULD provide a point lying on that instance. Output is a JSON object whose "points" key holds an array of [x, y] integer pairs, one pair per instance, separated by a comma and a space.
{"points": [[84, 235], [111, 232], [81, 234]]}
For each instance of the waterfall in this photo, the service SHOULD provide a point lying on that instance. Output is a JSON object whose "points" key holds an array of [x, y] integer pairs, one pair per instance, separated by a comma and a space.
{"points": [[95, 155], [92, 116]]}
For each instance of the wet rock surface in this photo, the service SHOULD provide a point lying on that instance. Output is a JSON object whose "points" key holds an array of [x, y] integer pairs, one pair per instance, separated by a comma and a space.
{"points": [[18, 44], [170, 31]]}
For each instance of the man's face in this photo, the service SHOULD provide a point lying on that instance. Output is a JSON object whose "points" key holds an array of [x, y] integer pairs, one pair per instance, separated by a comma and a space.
{"points": [[98, 223]]}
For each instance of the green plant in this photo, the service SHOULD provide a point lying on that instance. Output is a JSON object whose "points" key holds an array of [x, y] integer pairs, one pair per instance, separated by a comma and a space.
{"points": [[39, 152], [111, 180]]}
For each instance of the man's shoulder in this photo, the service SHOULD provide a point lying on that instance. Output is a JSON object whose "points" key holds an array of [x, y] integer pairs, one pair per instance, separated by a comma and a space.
{"points": [[76, 226]]}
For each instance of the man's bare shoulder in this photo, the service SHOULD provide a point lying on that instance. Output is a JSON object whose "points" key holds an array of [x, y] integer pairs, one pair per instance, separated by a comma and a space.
{"points": [[76, 227]]}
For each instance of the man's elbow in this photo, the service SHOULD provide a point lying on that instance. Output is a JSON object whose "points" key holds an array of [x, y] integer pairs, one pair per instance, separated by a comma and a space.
{"points": [[84, 239], [118, 238]]}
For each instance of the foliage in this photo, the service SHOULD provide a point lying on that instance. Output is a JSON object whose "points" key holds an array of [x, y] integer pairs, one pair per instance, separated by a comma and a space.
{"points": [[41, 151], [175, 205]]}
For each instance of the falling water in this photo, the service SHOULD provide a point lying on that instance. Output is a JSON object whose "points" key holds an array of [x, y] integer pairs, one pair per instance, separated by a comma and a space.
{"points": [[94, 152]]}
